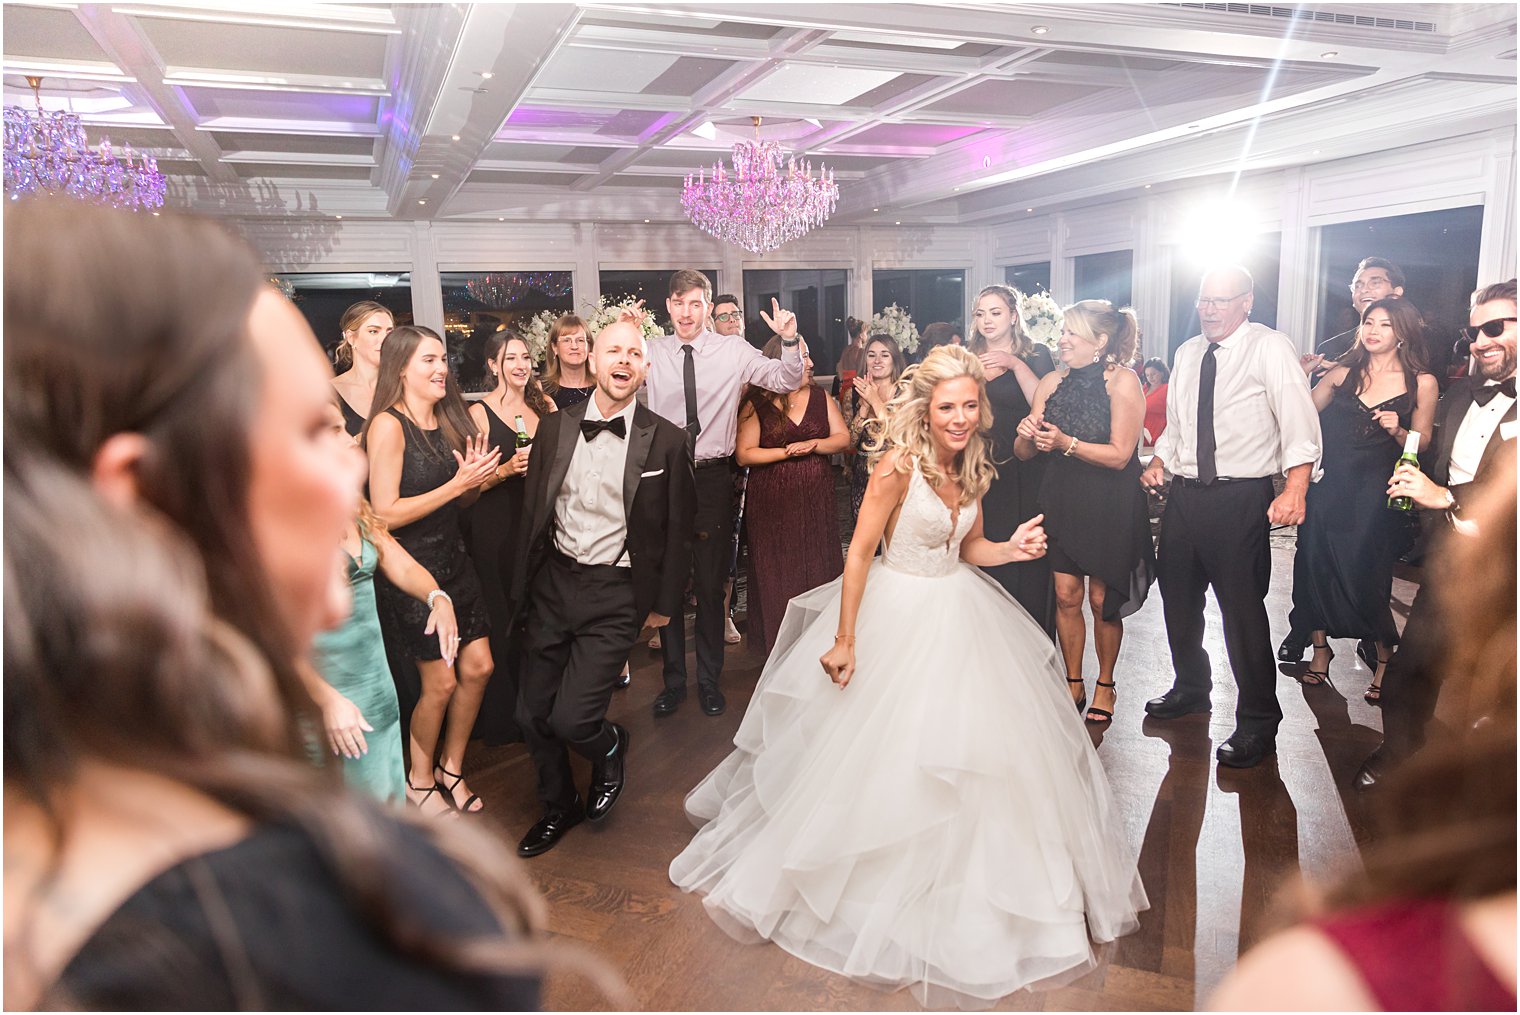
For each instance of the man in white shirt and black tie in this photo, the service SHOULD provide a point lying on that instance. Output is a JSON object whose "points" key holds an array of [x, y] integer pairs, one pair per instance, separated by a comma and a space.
{"points": [[1238, 413], [696, 378], [1475, 430]]}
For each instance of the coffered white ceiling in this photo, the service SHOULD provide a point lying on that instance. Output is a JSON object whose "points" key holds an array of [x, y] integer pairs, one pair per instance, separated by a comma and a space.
{"points": [[950, 112]]}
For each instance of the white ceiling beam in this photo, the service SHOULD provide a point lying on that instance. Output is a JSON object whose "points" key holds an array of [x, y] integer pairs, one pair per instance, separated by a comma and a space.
{"points": [[340, 17], [128, 46], [263, 125], [259, 81]]}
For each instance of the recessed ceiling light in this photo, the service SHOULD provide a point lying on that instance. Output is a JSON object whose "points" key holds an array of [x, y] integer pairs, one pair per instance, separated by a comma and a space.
{"points": [[435, 176], [502, 219], [454, 138], [155, 214], [422, 200], [337, 216], [897, 223], [876, 209], [487, 75], [1147, 186], [1330, 54], [646, 222], [1194, 126], [1029, 209], [955, 188], [1040, 29]]}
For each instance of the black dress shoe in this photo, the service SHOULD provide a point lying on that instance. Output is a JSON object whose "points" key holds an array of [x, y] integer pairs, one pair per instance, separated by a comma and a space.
{"points": [[668, 700], [551, 828], [1292, 648], [1177, 703], [607, 777], [713, 702], [1366, 651], [1246, 750], [624, 679], [1374, 770]]}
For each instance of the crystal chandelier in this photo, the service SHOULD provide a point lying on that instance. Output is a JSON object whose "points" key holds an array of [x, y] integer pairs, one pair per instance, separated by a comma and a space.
{"points": [[47, 151], [502, 291], [760, 203]]}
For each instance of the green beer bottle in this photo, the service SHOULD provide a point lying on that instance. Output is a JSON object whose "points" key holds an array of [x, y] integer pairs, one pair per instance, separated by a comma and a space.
{"points": [[1412, 456], [523, 440]]}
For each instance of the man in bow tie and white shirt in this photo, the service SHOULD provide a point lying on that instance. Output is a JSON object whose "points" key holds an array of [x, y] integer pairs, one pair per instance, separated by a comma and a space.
{"points": [[1238, 413], [1475, 429], [696, 378], [606, 545]]}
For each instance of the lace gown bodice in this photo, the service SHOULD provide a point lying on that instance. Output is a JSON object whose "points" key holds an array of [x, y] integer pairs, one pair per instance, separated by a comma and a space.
{"points": [[927, 539]]}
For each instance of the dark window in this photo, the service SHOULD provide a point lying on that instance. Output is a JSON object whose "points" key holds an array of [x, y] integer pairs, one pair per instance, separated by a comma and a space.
{"points": [[1438, 253], [653, 287], [323, 297], [927, 294], [1028, 278], [1106, 276], [817, 297], [477, 303], [1263, 259]]}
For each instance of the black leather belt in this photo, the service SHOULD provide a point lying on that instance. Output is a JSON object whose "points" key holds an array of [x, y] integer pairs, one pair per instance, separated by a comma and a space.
{"points": [[713, 463], [576, 567], [1198, 484]]}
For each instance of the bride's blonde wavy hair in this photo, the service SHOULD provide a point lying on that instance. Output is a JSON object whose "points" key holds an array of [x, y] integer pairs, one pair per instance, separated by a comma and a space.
{"points": [[905, 427]]}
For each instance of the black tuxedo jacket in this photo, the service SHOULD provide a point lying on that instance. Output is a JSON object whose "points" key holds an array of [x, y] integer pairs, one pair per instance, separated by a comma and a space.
{"points": [[659, 496], [1449, 415]]}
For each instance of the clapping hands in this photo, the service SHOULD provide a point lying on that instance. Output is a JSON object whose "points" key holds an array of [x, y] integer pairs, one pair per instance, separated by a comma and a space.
{"points": [[476, 465]]}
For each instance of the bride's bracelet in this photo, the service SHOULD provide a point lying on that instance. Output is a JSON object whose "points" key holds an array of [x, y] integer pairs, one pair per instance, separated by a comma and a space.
{"points": [[845, 637]]}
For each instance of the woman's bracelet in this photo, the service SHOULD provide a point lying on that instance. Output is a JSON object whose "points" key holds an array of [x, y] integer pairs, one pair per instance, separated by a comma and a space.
{"points": [[845, 637], [437, 594], [1070, 448]]}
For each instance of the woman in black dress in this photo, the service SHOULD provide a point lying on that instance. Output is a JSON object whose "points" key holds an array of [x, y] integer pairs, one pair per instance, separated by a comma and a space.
{"points": [[426, 462], [864, 400], [1349, 540], [491, 523], [567, 379], [1087, 425], [1014, 366], [365, 325]]}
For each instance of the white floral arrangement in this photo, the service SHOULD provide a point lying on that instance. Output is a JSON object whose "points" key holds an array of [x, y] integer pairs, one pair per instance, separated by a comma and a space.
{"points": [[604, 313], [536, 333], [1042, 318], [896, 322]]}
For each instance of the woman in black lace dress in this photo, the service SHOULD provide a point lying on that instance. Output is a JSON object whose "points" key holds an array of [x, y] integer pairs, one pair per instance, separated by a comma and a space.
{"points": [[1087, 425], [1347, 545], [1014, 366], [426, 461]]}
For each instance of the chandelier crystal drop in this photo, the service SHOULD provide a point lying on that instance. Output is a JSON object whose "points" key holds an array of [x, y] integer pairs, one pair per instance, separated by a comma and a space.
{"points": [[765, 200], [47, 151]]}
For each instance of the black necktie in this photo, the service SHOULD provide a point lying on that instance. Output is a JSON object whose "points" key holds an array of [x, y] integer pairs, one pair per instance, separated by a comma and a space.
{"points": [[1486, 393], [591, 427], [689, 383], [1207, 470]]}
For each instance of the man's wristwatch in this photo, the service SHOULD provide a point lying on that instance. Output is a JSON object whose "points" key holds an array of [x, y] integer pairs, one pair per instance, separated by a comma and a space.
{"points": [[792, 344]]}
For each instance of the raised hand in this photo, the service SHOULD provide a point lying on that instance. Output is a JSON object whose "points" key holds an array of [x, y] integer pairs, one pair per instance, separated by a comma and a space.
{"points": [[783, 323], [476, 465], [634, 314]]}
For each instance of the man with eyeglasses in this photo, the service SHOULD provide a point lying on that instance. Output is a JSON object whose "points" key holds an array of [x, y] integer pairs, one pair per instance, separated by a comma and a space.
{"points": [[1376, 278], [1238, 413], [728, 319], [1474, 432]]}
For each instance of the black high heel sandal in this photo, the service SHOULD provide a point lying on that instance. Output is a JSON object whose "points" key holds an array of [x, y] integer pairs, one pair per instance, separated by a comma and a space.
{"points": [[426, 792], [448, 792], [1103, 714], [1321, 677], [1374, 693], [1082, 701]]}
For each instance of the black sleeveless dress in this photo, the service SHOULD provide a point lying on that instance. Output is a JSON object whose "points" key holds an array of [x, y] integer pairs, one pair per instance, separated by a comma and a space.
{"points": [[1014, 496], [565, 397], [491, 532], [352, 421], [1096, 518], [1349, 541], [437, 543]]}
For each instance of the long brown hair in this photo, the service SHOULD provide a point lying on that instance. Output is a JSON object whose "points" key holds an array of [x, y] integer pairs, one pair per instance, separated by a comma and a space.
{"points": [[756, 396], [533, 392], [396, 354], [1408, 330], [343, 355], [567, 322]]}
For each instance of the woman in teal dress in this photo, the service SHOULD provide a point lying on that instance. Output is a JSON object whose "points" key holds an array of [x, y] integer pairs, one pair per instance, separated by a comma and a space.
{"points": [[352, 684]]}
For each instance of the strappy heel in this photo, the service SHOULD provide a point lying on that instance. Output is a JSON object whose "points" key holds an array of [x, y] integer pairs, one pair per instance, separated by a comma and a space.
{"points": [[448, 792], [1374, 693], [1320, 676], [427, 791], [1103, 715], [1082, 701]]}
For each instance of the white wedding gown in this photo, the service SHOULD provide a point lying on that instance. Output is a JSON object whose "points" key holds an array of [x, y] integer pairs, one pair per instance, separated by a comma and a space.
{"points": [[943, 822]]}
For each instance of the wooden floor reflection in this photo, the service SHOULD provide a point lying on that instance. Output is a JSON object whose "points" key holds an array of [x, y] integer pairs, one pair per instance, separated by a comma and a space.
{"points": [[1215, 844]]}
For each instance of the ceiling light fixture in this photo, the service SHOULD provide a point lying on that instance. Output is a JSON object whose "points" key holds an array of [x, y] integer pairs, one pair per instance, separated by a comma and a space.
{"points": [[761, 202], [1029, 209], [454, 137], [1330, 54], [338, 217], [1040, 29], [422, 200], [487, 75], [501, 290], [435, 176], [1147, 186], [47, 151]]}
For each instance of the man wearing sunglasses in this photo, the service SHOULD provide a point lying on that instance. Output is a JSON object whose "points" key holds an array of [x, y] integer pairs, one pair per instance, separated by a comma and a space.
{"points": [[1474, 431]]}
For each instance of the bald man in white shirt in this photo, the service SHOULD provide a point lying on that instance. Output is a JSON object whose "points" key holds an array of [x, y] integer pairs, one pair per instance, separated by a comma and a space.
{"points": [[1238, 413]]}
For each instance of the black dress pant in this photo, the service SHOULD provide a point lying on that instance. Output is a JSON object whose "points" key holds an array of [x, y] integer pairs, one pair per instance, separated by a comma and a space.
{"points": [[581, 628], [1216, 536], [710, 553], [1411, 683]]}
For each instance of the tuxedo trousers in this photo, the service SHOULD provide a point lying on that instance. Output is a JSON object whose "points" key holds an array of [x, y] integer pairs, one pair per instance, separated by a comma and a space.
{"points": [[710, 554], [582, 625], [1216, 536]]}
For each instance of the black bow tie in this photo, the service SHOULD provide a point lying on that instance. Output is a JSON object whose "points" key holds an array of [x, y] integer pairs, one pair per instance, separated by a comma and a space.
{"points": [[591, 427], [1486, 393]]}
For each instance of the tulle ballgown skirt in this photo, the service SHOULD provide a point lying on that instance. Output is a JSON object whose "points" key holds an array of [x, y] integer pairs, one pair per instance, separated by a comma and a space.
{"points": [[942, 823]]}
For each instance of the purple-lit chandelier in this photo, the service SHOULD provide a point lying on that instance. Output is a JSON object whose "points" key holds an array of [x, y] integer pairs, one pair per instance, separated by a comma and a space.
{"points": [[47, 151], [501, 291], [762, 202]]}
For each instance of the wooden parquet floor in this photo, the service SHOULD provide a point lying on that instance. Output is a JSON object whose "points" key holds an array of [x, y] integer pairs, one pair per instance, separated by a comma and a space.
{"points": [[1215, 844]]}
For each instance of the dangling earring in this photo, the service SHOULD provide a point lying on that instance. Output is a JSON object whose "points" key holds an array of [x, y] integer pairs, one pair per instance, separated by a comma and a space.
{"points": [[1097, 355]]}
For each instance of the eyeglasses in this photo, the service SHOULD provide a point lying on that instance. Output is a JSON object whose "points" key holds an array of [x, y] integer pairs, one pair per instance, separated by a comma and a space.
{"points": [[1217, 302], [1489, 329], [732, 315], [1370, 284]]}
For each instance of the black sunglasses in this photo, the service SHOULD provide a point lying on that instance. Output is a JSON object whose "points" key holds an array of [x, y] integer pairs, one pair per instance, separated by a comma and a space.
{"points": [[1491, 329]]}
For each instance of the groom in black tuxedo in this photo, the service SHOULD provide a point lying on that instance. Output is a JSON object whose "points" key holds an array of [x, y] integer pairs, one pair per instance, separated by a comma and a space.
{"points": [[1475, 428], [606, 546]]}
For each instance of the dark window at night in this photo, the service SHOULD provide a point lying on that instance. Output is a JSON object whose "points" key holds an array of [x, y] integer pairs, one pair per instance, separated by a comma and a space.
{"points": [[323, 296], [477, 303], [653, 287]]}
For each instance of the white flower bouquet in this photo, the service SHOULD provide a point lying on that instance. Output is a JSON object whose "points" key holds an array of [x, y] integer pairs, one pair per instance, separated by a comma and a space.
{"points": [[604, 313], [536, 332], [895, 321], [1042, 318]]}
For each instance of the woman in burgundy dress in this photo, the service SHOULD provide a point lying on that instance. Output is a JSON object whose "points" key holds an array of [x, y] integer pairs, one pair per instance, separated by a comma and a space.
{"points": [[793, 524]]}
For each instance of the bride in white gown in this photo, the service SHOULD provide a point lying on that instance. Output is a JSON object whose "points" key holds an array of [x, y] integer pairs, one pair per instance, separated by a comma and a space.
{"points": [[936, 816]]}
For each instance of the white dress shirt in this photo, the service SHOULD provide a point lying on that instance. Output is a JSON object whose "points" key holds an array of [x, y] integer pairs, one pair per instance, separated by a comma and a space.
{"points": [[724, 365], [1264, 417], [590, 525], [1473, 435]]}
